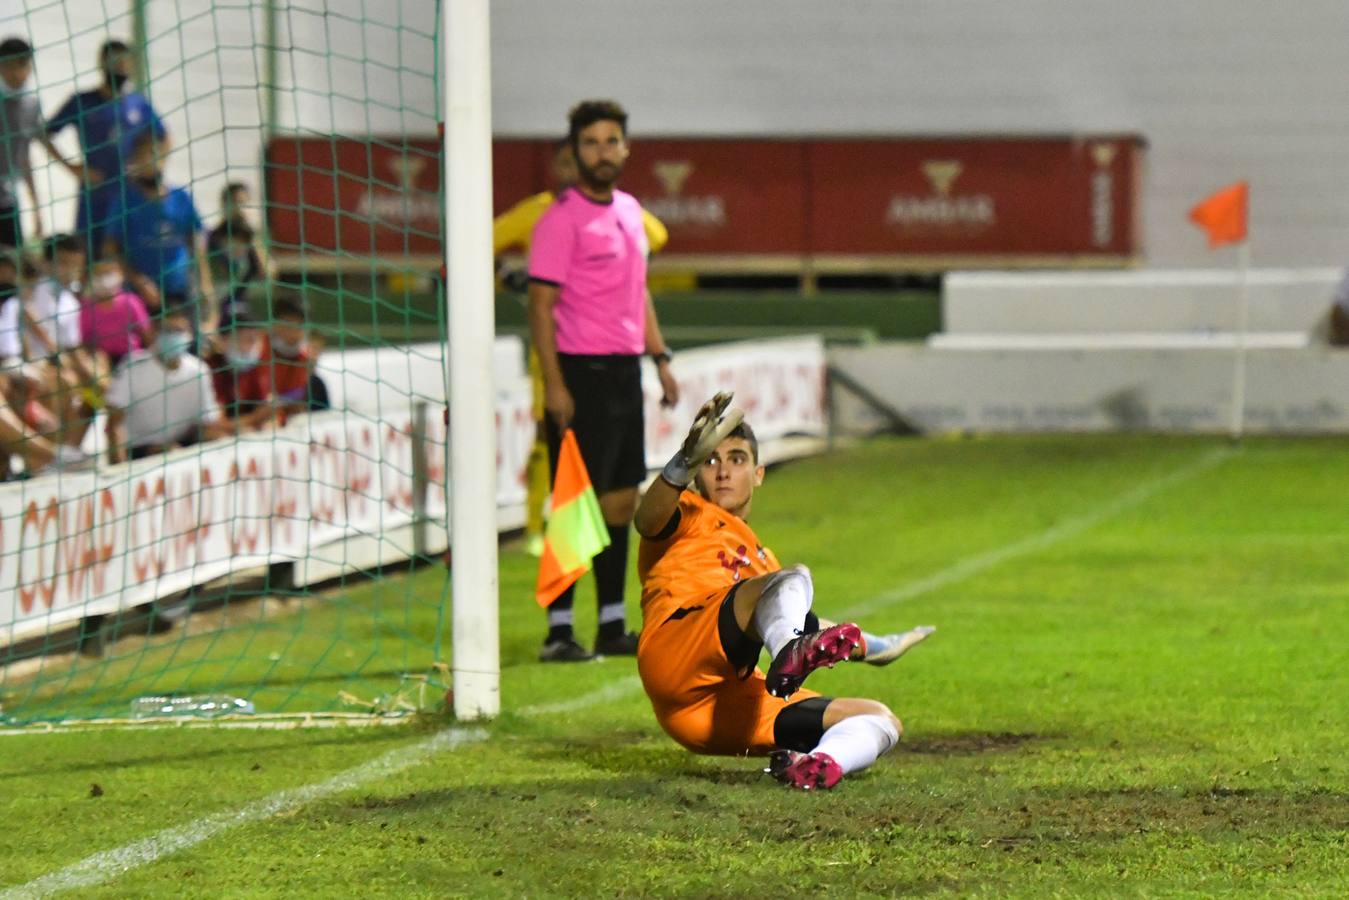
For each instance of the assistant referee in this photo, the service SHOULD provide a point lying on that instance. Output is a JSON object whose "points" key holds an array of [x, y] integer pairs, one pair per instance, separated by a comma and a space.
{"points": [[590, 320]]}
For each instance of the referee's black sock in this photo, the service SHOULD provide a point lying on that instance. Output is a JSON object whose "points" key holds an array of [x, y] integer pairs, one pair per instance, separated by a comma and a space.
{"points": [[559, 617], [611, 569]]}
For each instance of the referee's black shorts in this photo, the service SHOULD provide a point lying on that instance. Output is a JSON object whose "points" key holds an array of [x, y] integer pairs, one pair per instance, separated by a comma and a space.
{"points": [[608, 422]]}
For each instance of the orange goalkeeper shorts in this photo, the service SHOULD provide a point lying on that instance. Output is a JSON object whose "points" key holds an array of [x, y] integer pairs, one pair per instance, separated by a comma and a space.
{"points": [[701, 698]]}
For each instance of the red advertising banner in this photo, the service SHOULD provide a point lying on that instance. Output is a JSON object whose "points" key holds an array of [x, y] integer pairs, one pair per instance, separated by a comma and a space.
{"points": [[1000, 200], [376, 197], [722, 197], [1002, 197]]}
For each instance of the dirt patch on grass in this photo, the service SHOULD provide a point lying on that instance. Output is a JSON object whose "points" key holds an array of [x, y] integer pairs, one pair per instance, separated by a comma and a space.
{"points": [[967, 742], [1043, 817]]}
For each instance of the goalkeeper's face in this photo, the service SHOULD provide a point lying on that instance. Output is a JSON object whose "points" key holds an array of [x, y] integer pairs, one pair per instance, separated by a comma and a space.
{"points": [[730, 475]]}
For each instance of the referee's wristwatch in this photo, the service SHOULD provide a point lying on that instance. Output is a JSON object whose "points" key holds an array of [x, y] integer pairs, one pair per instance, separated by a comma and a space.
{"points": [[663, 356]]}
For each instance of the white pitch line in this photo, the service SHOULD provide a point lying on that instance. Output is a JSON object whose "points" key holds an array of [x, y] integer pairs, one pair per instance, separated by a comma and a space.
{"points": [[612, 691], [103, 867], [1053, 535]]}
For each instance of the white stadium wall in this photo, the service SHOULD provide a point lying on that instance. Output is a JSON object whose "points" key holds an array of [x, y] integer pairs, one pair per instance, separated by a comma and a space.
{"points": [[1221, 89]]}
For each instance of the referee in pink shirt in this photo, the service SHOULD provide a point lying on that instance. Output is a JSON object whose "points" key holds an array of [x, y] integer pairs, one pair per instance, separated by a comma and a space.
{"points": [[591, 319]]}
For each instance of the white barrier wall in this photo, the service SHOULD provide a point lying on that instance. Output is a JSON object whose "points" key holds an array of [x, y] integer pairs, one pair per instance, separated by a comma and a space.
{"points": [[938, 390], [371, 379], [82, 544], [1155, 301]]}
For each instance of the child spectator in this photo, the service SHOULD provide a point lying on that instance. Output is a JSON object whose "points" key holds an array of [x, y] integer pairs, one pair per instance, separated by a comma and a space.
{"points": [[28, 385], [43, 324], [23, 420], [67, 263], [162, 398], [234, 262], [79, 378], [234, 361], [114, 322], [237, 256], [265, 374], [291, 360], [158, 233]]}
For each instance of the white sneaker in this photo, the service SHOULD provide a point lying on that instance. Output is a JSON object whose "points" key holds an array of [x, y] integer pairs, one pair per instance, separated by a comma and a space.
{"points": [[885, 649]]}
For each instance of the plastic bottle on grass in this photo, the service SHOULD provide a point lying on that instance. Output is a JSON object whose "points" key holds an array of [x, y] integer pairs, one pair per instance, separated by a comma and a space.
{"points": [[200, 705]]}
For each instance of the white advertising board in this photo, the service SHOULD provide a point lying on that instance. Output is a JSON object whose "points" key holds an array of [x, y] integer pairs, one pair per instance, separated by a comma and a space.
{"points": [[82, 544]]}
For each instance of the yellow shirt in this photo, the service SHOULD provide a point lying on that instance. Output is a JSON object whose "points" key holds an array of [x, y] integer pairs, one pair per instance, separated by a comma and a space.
{"points": [[515, 227]]}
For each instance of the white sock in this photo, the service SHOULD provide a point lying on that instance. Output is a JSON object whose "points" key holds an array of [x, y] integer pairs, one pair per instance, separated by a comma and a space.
{"points": [[781, 611], [858, 741]]}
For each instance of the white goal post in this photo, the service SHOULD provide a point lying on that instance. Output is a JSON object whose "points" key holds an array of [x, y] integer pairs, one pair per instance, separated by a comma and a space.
{"points": [[466, 93]]}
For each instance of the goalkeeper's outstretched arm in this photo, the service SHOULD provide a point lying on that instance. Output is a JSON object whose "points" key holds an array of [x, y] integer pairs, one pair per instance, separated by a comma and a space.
{"points": [[710, 427], [657, 508]]}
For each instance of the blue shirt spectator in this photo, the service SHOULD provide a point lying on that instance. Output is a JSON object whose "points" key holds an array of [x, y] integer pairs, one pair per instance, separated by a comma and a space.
{"points": [[158, 229], [109, 120], [159, 235]]}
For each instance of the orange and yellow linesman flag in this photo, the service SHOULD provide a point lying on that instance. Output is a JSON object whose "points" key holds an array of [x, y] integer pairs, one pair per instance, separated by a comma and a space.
{"points": [[1223, 215], [576, 529]]}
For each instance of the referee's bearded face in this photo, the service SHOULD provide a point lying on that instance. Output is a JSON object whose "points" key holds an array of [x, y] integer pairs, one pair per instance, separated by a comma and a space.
{"points": [[730, 475], [601, 150]]}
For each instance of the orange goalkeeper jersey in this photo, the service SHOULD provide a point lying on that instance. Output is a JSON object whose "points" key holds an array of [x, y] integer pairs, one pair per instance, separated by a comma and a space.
{"points": [[710, 551]]}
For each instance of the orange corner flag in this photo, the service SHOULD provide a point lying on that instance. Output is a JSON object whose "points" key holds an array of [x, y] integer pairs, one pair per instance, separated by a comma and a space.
{"points": [[576, 531], [1223, 215]]}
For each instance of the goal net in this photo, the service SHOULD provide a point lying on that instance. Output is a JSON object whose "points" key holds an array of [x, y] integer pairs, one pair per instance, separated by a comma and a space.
{"points": [[224, 382]]}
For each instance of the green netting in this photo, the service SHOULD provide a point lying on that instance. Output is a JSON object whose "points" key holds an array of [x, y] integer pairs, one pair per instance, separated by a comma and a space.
{"points": [[244, 557]]}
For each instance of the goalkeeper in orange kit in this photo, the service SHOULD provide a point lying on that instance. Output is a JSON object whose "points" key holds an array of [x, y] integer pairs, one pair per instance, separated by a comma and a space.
{"points": [[713, 597], [514, 230]]}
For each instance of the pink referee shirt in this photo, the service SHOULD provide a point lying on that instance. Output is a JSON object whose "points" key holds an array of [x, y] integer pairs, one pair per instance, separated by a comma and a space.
{"points": [[596, 253]]}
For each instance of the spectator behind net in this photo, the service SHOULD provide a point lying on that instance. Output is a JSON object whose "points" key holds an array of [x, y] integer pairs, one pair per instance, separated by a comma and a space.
{"points": [[161, 238], [162, 398], [16, 436], [20, 123], [107, 120], [287, 363], [44, 324], [83, 375], [236, 354], [28, 345], [238, 260], [113, 322]]}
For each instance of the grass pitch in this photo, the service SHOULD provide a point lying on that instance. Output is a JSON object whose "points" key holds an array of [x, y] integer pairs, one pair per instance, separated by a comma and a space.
{"points": [[1138, 688]]}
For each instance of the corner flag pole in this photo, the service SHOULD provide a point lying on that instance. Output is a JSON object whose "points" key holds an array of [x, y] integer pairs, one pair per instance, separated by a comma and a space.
{"points": [[1243, 327], [466, 92]]}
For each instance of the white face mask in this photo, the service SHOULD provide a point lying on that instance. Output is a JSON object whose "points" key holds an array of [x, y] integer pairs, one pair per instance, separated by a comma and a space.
{"points": [[173, 344], [286, 348], [108, 284]]}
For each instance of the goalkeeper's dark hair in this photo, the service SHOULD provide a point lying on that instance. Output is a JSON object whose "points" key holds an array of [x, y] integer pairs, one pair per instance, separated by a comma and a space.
{"points": [[744, 431], [588, 112]]}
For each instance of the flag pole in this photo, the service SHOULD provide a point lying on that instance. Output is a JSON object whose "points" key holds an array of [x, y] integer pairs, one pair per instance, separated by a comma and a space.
{"points": [[1243, 327]]}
